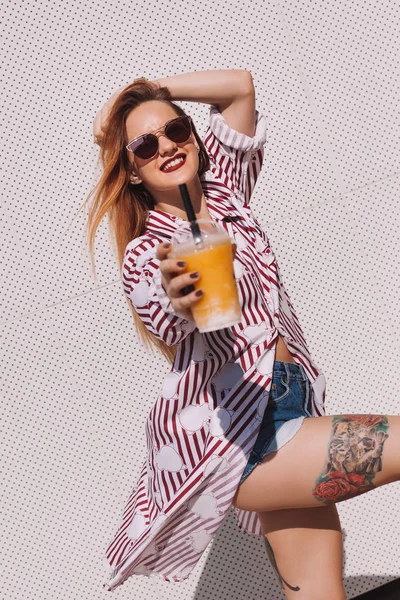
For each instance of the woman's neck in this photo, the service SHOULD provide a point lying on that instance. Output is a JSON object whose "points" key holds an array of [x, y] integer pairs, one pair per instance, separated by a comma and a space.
{"points": [[175, 206]]}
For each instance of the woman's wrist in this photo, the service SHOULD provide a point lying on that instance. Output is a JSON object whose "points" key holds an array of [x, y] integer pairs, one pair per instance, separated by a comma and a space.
{"points": [[156, 82]]}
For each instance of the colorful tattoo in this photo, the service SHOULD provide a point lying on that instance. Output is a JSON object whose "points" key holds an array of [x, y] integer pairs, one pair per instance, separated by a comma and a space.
{"points": [[354, 457], [271, 557]]}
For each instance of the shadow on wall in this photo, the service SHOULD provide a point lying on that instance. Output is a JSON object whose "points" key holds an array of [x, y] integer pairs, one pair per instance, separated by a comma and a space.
{"points": [[390, 591], [238, 567]]}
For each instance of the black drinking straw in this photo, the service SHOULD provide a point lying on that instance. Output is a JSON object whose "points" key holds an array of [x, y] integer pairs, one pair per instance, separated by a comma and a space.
{"points": [[194, 226]]}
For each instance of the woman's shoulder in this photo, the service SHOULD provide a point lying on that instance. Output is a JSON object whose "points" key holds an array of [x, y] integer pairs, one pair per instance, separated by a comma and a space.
{"points": [[222, 137], [235, 158], [147, 242]]}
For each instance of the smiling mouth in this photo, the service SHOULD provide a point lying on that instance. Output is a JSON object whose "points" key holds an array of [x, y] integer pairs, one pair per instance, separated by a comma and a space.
{"points": [[175, 164]]}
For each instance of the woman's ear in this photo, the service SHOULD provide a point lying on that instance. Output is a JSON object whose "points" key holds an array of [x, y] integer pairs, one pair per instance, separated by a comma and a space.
{"points": [[133, 178]]}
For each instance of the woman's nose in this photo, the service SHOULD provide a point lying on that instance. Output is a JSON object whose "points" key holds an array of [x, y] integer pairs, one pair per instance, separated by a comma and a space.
{"points": [[165, 144]]}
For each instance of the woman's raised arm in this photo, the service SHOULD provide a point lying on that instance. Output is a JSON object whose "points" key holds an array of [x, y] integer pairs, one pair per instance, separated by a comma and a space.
{"points": [[230, 90]]}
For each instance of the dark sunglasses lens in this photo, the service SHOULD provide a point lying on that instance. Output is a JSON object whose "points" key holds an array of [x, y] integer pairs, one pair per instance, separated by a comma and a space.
{"points": [[179, 130], [148, 147]]}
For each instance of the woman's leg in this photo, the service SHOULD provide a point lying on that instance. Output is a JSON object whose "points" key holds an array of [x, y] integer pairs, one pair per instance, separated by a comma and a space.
{"points": [[304, 546], [331, 459]]}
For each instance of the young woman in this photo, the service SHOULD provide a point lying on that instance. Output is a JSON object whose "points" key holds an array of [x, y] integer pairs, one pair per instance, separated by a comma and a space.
{"points": [[240, 420]]}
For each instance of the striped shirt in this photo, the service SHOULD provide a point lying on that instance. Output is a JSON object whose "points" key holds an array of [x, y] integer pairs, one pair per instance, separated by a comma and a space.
{"points": [[204, 423]]}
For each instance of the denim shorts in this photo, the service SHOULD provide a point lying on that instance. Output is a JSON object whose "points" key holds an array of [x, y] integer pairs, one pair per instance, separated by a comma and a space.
{"points": [[289, 403]]}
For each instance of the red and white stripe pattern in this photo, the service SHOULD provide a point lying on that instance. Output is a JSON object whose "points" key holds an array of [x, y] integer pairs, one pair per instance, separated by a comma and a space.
{"points": [[206, 418], [236, 158]]}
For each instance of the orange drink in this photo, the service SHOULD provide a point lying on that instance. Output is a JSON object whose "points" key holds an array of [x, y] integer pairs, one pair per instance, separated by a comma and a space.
{"points": [[219, 306]]}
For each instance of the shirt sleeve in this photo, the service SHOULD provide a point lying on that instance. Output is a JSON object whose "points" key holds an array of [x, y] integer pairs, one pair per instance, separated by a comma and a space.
{"points": [[236, 159], [141, 279]]}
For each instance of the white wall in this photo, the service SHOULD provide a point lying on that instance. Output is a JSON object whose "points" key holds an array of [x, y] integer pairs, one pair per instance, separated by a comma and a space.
{"points": [[75, 381]]}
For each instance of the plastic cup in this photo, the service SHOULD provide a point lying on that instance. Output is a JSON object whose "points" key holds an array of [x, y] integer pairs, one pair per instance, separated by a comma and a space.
{"points": [[219, 306]]}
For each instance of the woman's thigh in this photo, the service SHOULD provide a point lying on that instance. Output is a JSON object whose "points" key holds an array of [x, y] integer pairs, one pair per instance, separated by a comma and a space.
{"points": [[330, 459], [304, 546]]}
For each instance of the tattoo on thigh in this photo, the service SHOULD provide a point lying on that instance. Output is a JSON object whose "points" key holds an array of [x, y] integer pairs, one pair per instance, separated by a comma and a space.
{"points": [[271, 557], [354, 457]]}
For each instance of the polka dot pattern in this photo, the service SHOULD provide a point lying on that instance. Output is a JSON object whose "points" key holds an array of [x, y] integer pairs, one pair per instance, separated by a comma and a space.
{"points": [[77, 385]]}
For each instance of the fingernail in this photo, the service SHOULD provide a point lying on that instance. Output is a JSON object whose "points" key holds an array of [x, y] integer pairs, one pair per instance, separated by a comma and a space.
{"points": [[166, 245], [199, 293], [194, 275], [181, 263]]}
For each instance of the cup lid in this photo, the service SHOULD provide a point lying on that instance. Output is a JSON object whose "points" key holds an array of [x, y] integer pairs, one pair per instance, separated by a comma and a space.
{"points": [[210, 232]]}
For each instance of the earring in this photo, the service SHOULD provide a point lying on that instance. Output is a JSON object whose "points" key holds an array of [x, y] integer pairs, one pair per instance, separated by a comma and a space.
{"points": [[134, 180]]}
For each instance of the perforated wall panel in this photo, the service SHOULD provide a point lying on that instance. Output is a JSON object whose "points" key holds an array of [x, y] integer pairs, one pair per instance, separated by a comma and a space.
{"points": [[76, 384]]}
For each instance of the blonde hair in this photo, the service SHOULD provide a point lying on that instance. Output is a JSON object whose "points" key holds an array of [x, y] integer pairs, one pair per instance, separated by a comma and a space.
{"points": [[127, 205]]}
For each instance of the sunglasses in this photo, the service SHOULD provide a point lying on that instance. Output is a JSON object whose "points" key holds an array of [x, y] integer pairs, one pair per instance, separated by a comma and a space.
{"points": [[177, 130]]}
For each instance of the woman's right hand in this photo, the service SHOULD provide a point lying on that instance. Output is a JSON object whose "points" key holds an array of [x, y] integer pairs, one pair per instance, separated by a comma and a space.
{"points": [[102, 114], [174, 279]]}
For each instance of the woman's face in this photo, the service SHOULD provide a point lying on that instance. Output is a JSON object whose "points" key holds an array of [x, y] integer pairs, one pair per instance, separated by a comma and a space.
{"points": [[147, 118]]}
